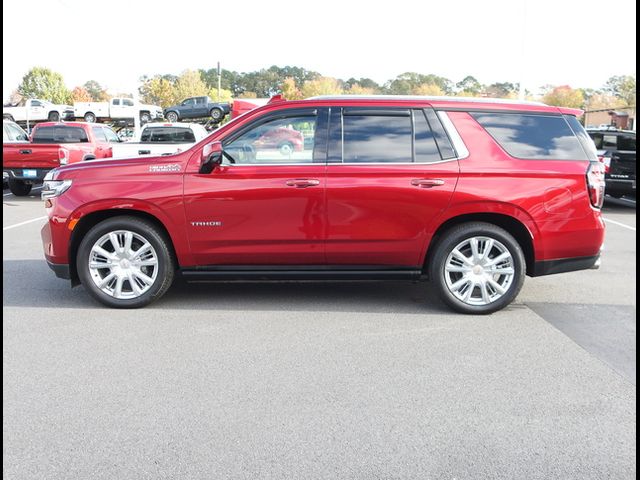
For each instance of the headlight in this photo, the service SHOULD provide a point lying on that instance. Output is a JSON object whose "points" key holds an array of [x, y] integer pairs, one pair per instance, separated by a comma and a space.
{"points": [[54, 188]]}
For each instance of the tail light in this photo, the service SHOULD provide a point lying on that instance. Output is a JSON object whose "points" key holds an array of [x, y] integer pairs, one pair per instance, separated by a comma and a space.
{"points": [[595, 183], [63, 156], [606, 161]]}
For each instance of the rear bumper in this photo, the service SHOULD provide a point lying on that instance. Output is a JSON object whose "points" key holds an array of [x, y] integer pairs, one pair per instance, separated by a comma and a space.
{"points": [[561, 265], [27, 174], [620, 187]]}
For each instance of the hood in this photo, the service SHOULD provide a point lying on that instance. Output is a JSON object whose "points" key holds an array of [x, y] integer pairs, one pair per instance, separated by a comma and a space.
{"points": [[123, 168]]}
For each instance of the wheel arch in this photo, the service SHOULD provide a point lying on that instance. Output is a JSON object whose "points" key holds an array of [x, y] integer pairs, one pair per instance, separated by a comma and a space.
{"points": [[90, 220], [511, 224]]}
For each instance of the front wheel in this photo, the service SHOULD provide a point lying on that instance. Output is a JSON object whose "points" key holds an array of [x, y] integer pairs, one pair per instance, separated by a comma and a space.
{"points": [[125, 262], [145, 118], [477, 268], [19, 188]]}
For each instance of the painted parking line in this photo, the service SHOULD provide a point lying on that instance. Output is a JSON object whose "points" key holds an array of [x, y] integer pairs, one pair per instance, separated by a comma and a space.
{"points": [[16, 225], [623, 225], [7, 194]]}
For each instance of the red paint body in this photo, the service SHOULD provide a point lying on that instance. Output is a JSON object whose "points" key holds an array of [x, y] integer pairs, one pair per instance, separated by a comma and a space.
{"points": [[369, 214], [46, 155]]}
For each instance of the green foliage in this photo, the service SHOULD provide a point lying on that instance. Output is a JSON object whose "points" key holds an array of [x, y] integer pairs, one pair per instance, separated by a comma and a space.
{"points": [[43, 83], [96, 91], [406, 83], [470, 86], [622, 87], [158, 91], [321, 86], [190, 84], [564, 96]]}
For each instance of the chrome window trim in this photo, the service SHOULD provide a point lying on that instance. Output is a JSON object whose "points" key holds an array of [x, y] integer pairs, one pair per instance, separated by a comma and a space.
{"points": [[456, 140]]}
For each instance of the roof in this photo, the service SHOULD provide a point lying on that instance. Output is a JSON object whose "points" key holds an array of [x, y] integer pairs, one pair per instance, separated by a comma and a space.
{"points": [[424, 98]]}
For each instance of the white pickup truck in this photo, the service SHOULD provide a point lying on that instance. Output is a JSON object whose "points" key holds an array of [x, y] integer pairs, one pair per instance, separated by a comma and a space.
{"points": [[36, 110], [118, 108], [161, 139]]}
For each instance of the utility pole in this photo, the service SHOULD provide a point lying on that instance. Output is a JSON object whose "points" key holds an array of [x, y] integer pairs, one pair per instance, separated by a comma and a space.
{"points": [[219, 80]]}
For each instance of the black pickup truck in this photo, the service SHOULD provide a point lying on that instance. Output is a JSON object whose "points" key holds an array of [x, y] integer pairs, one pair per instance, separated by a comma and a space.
{"points": [[197, 107], [617, 150]]}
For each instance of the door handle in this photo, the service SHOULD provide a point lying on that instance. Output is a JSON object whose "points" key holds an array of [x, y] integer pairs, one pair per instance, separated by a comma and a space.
{"points": [[25, 152], [427, 182], [302, 182]]}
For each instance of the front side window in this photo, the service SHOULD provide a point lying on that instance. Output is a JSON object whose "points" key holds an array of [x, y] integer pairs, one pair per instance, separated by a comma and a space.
{"points": [[36, 103], [534, 137], [189, 102], [278, 141], [98, 132], [116, 101], [375, 138], [112, 137], [16, 134], [127, 102]]}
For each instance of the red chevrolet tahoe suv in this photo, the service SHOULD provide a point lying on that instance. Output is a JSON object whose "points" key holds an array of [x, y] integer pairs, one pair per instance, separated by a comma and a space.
{"points": [[470, 194]]}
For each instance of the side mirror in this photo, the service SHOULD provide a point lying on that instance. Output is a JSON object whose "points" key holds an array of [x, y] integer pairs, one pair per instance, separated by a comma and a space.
{"points": [[211, 157]]}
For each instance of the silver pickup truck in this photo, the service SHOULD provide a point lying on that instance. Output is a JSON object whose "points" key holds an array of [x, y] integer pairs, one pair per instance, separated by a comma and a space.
{"points": [[161, 139]]}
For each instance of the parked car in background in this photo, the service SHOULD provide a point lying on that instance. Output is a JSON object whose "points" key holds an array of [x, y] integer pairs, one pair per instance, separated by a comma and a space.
{"points": [[470, 194], [197, 107], [119, 108], [36, 110], [53, 144], [12, 133], [161, 139], [617, 151]]}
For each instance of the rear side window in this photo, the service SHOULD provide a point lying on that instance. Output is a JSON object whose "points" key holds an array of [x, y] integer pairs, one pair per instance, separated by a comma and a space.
{"points": [[98, 132], [167, 135], [535, 137], [59, 134], [377, 139]]}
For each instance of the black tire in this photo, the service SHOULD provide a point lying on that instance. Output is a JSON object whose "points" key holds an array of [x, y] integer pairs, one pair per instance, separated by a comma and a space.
{"points": [[145, 117], [150, 233], [54, 117], [172, 117], [457, 236], [90, 117], [19, 188], [216, 114]]}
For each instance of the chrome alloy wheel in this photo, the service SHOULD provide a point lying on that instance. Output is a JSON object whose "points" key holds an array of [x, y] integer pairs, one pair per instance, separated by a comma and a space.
{"points": [[123, 264], [479, 270]]}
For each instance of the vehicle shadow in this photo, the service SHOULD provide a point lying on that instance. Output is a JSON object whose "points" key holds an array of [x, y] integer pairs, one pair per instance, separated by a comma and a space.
{"points": [[30, 283], [618, 205]]}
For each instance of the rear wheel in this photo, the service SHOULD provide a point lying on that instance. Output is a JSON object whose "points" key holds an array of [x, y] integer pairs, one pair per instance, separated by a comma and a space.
{"points": [[54, 117], [286, 148], [125, 262], [19, 188], [90, 117], [216, 114], [172, 117], [477, 268]]}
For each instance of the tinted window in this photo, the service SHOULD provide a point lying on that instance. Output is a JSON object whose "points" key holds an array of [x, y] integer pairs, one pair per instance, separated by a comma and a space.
{"points": [[627, 142], [127, 102], [116, 101], [189, 101], [597, 139], [426, 150], [379, 139], [98, 132], [278, 141], [440, 135], [167, 135], [588, 146], [537, 137], [59, 134], [36, 103], [200, 100], [610, 142], [16, 133]]}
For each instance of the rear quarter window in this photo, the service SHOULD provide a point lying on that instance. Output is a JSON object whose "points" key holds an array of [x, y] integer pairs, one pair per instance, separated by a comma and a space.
{"points": [[533, 137], [627, 143]]}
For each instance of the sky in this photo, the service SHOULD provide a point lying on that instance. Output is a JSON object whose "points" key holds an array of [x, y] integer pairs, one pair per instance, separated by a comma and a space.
{"points": [[538, 42]]}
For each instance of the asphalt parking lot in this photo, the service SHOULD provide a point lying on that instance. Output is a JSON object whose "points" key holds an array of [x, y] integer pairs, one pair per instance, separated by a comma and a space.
{"points": [[316, 380]]}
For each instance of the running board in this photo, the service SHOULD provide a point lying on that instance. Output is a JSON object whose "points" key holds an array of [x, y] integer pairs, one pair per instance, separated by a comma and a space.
{"points": [[288, 272]]}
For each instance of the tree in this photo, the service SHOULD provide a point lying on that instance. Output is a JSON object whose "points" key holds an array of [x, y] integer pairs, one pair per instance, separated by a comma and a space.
{"points": [[248, 94], [96, 91], [469, 85], [427, 89], [623, 87], [158, 91], [289, 89], [357, 89], [190, 84], [79, 94], [603, 101], [40, 82], [321, 86], [225, 95], [365, 83], [502, 90], [564, 96], [405, 83]]}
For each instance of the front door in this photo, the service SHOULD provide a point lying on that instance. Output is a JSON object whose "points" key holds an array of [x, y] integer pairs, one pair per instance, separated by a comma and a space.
{"points": [[266, 208], [391, 171]]}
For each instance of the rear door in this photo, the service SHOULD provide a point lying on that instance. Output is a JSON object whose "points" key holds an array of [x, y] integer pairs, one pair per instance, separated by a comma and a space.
{"points": [[390, 172], [268, 207], [201, 107]]}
